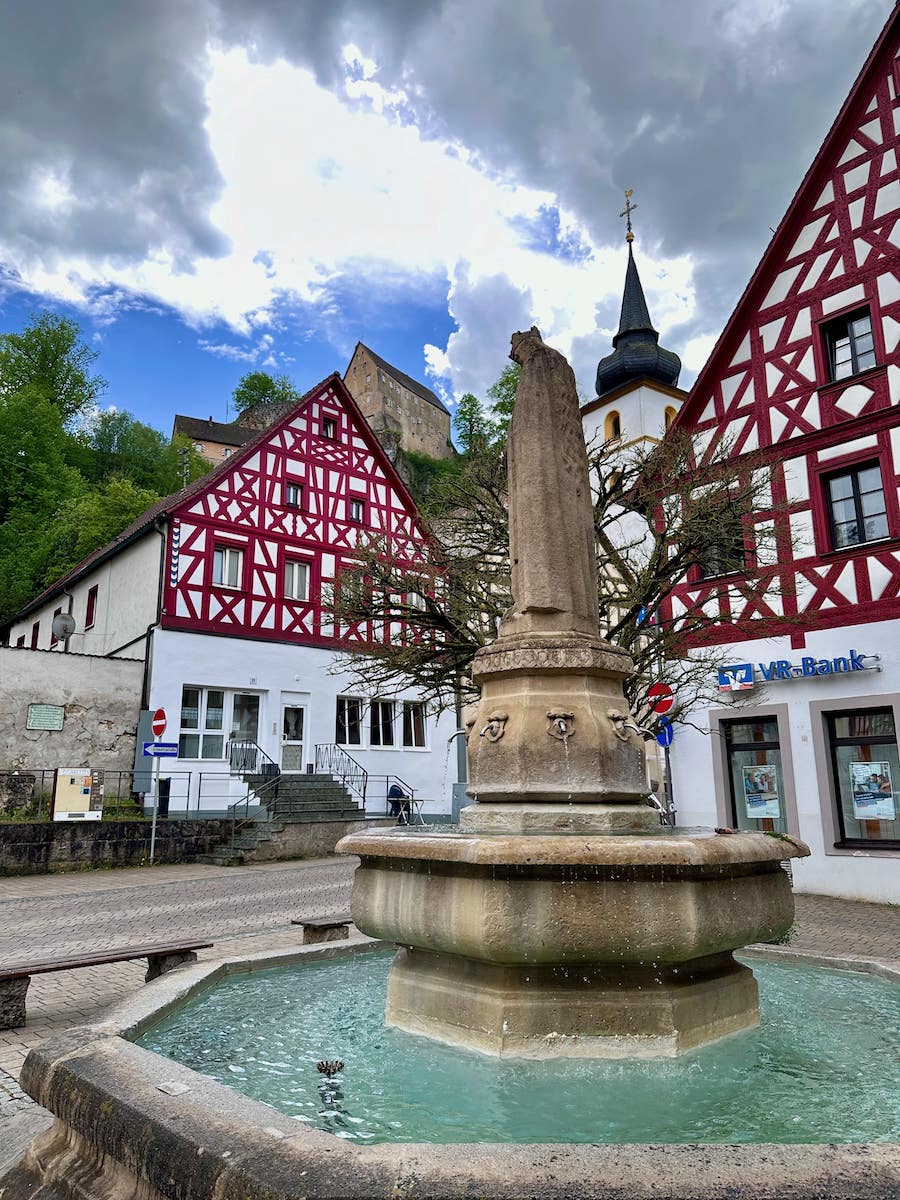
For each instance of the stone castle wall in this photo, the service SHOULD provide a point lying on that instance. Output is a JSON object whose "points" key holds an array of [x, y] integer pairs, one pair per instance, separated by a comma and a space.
{"points": [[386, 404]]}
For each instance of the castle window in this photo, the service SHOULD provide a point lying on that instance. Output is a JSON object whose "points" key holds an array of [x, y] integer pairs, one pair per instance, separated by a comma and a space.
{"points": [[849, 344], [612, 426]]}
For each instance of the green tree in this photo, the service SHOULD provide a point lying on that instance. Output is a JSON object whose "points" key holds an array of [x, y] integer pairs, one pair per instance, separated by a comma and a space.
{"points": [[35, 480], [472, 425], [258, 387], [86, 522], [115, 443], [503, 395], [49, 359]]}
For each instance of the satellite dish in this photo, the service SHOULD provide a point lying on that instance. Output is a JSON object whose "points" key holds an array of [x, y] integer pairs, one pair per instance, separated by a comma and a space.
{"points": [[63, 626]]}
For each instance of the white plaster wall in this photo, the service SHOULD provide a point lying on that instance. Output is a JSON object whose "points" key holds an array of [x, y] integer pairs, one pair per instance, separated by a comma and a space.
{"points": [[854, 874], [127, 591], [101, 699], [269, 668], [642, 412]]}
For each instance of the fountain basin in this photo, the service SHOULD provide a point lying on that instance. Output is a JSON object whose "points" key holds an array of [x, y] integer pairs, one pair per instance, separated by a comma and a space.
{"points": [[571, 945]]}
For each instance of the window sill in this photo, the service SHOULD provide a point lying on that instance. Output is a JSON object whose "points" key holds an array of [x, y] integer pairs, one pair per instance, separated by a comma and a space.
{"points": [[865, 849], [860, 547], [835, 385]]}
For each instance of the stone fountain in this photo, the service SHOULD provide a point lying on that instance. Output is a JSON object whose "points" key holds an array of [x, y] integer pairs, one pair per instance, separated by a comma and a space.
{"points": [[561, 919]]}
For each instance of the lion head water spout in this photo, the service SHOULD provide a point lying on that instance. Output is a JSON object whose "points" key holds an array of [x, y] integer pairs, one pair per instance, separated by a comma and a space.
{"points": [[557, 935]]}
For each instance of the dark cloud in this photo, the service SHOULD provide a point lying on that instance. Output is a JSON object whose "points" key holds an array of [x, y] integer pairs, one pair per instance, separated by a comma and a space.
{"points": [[102, 105], [710, 109]]}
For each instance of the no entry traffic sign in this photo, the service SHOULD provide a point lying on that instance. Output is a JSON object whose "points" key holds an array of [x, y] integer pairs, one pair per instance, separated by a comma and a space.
{"points": [[660, 698], [158, 724]]}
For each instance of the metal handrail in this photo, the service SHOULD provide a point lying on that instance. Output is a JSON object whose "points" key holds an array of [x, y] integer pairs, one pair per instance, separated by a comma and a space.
{"points": [[260, 794], [245, 757], [332, 760]]}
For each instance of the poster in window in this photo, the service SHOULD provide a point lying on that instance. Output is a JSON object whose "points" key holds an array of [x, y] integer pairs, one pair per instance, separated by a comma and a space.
{"points": [[872, 789], [761, 792]]}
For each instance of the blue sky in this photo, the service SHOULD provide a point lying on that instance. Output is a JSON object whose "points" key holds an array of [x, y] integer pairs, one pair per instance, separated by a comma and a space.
{"points": [[156, 365], [229, 185]]}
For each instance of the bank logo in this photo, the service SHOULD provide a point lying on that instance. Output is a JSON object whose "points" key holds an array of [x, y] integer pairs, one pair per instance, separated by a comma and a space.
{"points": [[736, 678]]}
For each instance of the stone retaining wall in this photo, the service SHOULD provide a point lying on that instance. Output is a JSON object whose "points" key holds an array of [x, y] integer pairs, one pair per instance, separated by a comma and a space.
{"points": [[39, 847]]}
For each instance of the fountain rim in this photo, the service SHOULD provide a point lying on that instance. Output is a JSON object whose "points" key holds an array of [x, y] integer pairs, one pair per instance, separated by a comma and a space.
{"points": [[93, 1079], [575, 849]]}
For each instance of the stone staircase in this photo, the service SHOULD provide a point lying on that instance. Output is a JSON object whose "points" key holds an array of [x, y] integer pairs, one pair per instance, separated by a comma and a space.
{"points": [[290, 800]]}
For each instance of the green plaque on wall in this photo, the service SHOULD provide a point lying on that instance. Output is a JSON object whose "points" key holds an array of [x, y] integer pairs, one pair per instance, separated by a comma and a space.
{"points": [[45, 716]]}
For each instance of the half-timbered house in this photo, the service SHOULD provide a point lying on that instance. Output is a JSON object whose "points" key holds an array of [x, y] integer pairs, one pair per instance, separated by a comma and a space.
{"points": [[807, 372], [224, 589]]}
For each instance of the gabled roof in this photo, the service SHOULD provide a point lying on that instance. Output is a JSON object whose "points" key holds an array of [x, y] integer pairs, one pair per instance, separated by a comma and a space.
{"points": [[406, 381], [199, 430], [810, 186], [170, 504]]}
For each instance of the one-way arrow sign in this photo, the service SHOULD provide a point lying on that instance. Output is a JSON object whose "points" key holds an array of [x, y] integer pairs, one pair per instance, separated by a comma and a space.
{"points": [[161, 749]]}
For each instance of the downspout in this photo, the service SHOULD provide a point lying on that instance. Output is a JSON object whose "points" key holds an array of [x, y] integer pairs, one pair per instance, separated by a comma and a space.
{"points": [[160, 526]]}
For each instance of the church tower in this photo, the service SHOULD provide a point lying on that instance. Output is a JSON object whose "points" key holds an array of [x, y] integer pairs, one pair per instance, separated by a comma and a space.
{"points": [[637, 393]]}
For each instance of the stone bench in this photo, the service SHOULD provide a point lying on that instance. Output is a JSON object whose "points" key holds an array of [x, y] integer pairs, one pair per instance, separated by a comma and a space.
{"points": [[323, 929], [161, 957]]}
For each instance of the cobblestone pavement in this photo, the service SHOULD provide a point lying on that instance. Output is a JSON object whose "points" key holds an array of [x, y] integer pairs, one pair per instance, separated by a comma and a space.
{"points": [[52, 916]]}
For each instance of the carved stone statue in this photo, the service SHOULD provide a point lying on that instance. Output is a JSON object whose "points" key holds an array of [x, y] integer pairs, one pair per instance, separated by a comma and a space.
{"points": [[551, 527]]}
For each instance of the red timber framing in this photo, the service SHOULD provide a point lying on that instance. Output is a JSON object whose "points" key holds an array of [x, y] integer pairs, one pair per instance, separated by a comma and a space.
{"points": [[767, 386], [245, 512]]}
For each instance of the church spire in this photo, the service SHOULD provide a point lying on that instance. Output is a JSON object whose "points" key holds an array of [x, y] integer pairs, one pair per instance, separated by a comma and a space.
{"points": [[636, 350]]}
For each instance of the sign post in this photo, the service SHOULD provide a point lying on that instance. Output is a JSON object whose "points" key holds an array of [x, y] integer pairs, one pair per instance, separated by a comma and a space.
{"points": [[158, 725]]}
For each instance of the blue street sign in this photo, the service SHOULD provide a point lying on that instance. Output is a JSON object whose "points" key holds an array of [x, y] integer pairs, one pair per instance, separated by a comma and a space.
{"points": [[161, 749], [666, 733]]}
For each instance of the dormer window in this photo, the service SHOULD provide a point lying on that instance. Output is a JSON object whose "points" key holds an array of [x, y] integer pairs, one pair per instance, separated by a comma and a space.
{"points": [[849, 345]]}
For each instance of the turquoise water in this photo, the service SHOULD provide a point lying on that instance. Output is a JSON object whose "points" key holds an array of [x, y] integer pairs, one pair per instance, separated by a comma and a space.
{"points": [[822, 1067]]}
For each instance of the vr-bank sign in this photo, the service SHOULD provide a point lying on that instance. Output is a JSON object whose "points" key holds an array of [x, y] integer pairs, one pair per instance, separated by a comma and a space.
{"points": [[740, 677]]}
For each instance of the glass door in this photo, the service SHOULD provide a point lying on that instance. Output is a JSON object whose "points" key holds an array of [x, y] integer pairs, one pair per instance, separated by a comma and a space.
{"points": [[292, 725], [754, 771], [866, 772]]}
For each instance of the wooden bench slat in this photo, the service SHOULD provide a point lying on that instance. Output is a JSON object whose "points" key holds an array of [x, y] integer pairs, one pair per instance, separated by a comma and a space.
{"points": [[322, 922], [151, 949]]}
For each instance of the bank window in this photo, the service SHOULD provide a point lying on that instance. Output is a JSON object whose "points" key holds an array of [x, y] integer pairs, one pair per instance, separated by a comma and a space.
{"points": [[413, 724], [202, 733], [381, 723], [228, 564], [866, 776], [348, 723], [849, 344], [293, 495], [856, 507], [754, 774], [296, 580]]}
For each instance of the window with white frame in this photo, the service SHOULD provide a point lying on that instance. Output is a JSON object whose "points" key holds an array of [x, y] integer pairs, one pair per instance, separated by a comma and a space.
{"points": [[202, 732], [357, 509], [413, 724], [293, 494], [329, 428], [296, 579], [228, 566], [348, 723], [381, 723]]}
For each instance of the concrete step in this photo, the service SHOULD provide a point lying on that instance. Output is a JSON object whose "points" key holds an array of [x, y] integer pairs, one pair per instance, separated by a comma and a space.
{"points": [[222, 858]]}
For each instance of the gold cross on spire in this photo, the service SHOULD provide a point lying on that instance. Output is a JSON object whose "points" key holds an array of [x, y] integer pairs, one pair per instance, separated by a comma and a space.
{"points": [[626, 212]]}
